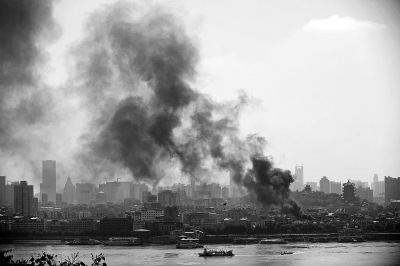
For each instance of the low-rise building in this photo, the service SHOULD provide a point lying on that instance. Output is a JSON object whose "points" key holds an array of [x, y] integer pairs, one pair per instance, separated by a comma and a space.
{"points": [[80, 225]]}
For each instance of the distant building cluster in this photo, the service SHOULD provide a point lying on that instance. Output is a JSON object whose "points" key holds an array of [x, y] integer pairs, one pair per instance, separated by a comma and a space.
{"points": [[379, 191], [127, 206]]}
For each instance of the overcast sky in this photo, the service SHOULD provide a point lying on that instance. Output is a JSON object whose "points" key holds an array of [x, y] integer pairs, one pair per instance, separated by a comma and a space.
{"points": [[324, 76]]}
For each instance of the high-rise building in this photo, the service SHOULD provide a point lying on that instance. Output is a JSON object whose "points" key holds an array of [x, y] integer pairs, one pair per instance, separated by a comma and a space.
{"points": [[69, 191], [364, 193], [59, 199], [325, 185], [298, 184], [44, 198], [378, 187], [24, 204], [359, 183], [2, 190], [143, 189], [9, 193], [336, 187], [101, 198], [375, 179], [168, 198], [114, 192], [85, 193], [149, 198], [392, 188], [49, 180]]}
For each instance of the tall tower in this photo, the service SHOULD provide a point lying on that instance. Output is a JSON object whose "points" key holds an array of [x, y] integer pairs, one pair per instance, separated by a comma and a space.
{"points": [[299, 183], [48, 185], [69, 190]]}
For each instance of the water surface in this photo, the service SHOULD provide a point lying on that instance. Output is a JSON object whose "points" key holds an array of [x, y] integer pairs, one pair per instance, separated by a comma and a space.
{"points": [[321, 254]]}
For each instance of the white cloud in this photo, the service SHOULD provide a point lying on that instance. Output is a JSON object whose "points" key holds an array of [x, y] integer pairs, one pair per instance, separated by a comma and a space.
{"points": [[337, 24]]}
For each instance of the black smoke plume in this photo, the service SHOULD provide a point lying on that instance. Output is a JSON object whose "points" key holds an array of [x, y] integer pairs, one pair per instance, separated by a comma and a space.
{"points": [[271, 186], [134, 71], [25, 25]]}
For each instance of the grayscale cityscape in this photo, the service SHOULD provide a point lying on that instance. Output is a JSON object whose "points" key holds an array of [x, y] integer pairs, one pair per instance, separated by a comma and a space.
{"points": [[158, 133]]}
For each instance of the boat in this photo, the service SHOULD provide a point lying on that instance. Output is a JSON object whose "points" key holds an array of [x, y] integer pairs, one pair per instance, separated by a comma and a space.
{"points": [[187, 243], [122, 241], [216, 253], [286, 253], [273, 241], [83, 242]]}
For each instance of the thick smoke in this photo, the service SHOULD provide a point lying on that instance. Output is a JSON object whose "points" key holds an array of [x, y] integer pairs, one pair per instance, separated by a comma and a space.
{"points": [[24, 100], [132, 75], [134, 72], [271, 185]]}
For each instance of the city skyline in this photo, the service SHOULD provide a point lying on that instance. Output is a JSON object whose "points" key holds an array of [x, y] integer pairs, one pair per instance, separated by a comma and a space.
{"points": [[49, 169], [132, 128], [322, 102]]}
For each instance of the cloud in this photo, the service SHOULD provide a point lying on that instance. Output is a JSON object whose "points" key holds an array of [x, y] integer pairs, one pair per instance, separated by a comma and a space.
{"points": [[337, 24]]}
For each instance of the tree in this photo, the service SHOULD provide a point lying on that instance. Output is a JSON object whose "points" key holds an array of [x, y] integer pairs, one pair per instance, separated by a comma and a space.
{"points": [[307, 188]]}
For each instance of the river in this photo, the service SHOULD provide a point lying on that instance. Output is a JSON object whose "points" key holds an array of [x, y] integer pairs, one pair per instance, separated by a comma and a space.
{"points": [[321, 254]]}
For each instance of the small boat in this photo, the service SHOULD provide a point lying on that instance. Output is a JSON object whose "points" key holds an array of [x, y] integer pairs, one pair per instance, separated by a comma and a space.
{"points": [[187, 243], [83, 242], [273, 241], [216, 253], [286, 253], [122, 241]]}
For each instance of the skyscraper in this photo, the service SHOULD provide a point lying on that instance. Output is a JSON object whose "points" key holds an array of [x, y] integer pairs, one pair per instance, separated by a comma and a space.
{"points": [[378, 187], [376, 178], [69, 191], [2, 190], [364, 193], [298, 184], [299, 175], [325, 185], [392, 188], [166, 198], [85, 193], [49, 183], [23, 199], [336, 187], [9, 194]]}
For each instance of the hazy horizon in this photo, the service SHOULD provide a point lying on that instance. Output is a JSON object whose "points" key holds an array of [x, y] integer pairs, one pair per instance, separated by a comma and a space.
{"points": [[320, 80]]}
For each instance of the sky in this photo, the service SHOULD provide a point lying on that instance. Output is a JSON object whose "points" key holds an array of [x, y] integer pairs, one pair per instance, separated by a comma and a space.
{"points": [[322, 77]]}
